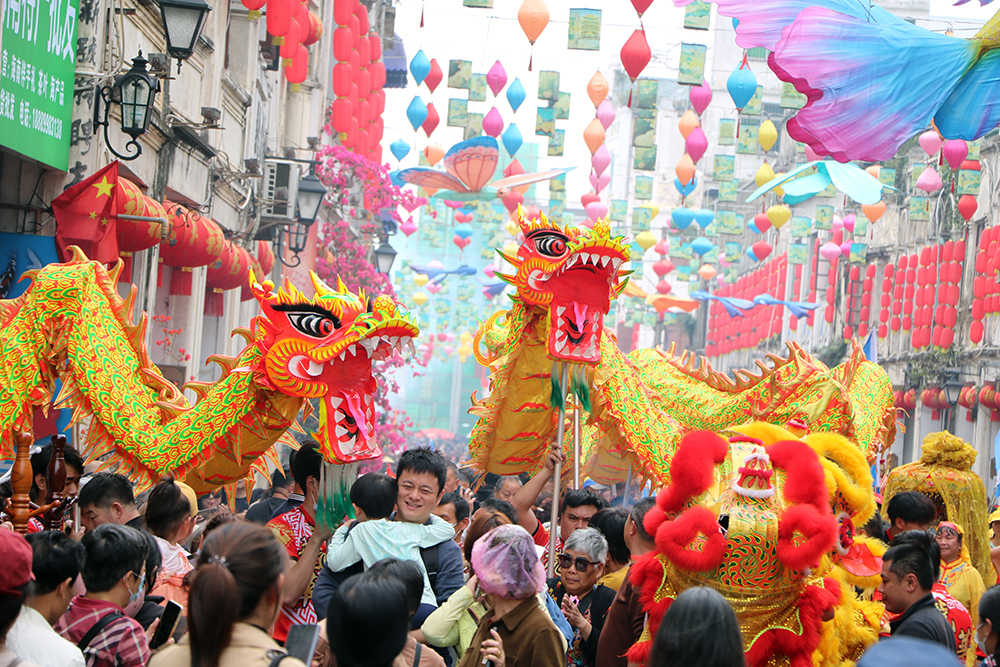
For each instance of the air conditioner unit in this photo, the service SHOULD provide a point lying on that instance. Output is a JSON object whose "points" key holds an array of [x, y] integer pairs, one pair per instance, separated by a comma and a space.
{"points": [[281, 189]]}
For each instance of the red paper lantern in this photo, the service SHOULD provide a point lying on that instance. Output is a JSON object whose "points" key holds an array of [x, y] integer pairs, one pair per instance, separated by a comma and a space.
{"points": [[293, 39], [663, 287], [434, 77], [883, 331], [374, 46], [230, 271], [343, 77], [343, 44], [342, 114], [976, 331], [296, 72], [253, 7], [343, 10], [663, 267], [635, 56], [431, 123], [363, 46], [314, 29], [193, 240], [279, 17]]}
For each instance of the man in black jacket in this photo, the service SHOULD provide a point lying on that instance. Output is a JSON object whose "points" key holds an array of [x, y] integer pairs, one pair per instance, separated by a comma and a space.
{"points": [[907, 578]]}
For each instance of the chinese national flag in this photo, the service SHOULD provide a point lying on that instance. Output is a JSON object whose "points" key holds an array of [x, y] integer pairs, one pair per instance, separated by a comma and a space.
{"points": [[85, 216]]}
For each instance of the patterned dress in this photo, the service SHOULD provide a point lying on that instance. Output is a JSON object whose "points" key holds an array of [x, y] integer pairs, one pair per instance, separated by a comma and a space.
{"points": [[293, 529]]}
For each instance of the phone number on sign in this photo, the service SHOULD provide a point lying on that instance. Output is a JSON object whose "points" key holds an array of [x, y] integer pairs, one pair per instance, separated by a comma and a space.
{"points": [[34, 119]]}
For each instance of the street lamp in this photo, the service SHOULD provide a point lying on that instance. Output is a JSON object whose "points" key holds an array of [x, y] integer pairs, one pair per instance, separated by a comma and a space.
{"points": [[182, 23], [311, 194], [298, 235], [953, 390], [385, 255], [135, 91]]}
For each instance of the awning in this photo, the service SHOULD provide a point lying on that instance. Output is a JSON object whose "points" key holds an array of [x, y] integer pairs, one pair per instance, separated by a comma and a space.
{"points": [[395, 64]]}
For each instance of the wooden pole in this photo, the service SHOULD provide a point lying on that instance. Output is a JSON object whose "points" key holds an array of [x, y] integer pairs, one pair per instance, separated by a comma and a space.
{"points": [[557, 478], [576, 448]]}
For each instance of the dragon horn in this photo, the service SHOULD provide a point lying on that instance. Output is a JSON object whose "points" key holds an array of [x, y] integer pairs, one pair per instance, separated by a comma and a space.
{"points": [[514, 261], [504, 277]]}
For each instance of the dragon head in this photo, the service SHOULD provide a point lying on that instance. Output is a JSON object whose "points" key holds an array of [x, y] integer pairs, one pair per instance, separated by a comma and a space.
{"points": [[574, 273], [324, 347]]}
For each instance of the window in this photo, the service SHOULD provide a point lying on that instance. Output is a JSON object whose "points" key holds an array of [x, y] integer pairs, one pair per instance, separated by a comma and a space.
{"points": [[757, 53]]}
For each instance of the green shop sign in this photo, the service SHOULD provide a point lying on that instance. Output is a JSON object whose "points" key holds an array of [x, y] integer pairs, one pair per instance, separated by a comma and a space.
{"points": [[37, 64]]}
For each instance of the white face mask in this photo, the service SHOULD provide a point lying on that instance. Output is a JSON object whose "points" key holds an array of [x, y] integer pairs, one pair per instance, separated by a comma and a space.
{"points": [[981, 643]]}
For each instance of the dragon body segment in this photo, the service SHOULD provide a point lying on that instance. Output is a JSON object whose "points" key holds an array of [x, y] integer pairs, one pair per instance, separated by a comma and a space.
{"points": [[71, 325]]}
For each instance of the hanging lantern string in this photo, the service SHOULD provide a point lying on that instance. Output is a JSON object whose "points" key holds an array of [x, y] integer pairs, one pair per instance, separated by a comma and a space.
{"points": [[421, 13]]}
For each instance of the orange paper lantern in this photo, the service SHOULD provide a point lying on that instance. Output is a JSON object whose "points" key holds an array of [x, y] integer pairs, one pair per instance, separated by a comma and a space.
{"points": [[597, 88], [685, 169], [593, 135], [533, 17]]}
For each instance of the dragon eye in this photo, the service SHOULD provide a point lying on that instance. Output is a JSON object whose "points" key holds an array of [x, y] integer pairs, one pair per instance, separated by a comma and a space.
{"points": [[313, 324], [553, 245]]}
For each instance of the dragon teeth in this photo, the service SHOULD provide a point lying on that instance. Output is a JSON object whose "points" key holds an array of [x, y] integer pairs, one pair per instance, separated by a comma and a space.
{"points": [[560, 310], [341, 431], [336, 401], [314, 369], [411, 347], [353, 350]]}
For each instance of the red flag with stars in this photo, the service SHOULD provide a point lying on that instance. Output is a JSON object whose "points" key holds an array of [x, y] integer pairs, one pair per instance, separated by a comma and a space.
{"points": [[85, 216]]}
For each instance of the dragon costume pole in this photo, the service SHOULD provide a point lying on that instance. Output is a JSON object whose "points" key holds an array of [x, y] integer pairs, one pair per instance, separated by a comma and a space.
{"points": [[576, 448], [557, 478], [628, 484]]}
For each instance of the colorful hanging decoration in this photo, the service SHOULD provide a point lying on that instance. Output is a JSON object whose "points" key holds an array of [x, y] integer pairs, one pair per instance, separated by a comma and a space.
{"points": [[533, 17], [861, 109], [597, 88], [635, 55], [420, 67], [849, 178], [399, 149], [512, 139], [434, 76], [516, 94], [469, 168]]}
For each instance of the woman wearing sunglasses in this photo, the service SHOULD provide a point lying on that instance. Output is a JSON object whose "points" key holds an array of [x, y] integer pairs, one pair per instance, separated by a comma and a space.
{"points": [[583, 601]]}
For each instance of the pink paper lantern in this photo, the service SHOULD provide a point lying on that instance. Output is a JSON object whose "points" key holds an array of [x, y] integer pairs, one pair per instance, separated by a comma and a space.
{"points": [[493, 123], [696, 144], [829, 251], [496, 78], [662, 247], [434, 288], [700, 96], [601, 159], [955, 151], [838, 223], [589, 198], [929, 180], [845, 248], [761, 249], [930, 141], [408, 227], [848, 222], [490, 270], [596, 210], [600, 182], [605, 114]]}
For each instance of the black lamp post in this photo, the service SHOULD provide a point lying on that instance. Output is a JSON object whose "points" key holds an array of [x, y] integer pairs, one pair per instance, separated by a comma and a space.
{"points": [[385, 255], [311, 194], [953, 391], [135, 91], [182, 23]]}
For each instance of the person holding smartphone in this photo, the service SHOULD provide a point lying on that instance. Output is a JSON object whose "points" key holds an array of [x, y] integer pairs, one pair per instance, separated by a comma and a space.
{"points": [[235, 598]]}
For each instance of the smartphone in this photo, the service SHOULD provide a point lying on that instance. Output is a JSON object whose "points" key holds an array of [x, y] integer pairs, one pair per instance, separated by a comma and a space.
{"points": [[168, 622], [301, 642]]}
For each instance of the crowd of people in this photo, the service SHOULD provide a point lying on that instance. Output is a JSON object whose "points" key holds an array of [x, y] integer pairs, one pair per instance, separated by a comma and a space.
{"points": [[437, 568]]}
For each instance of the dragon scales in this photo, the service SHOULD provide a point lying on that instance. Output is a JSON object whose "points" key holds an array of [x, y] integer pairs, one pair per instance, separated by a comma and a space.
{"points": [[71, 325]]}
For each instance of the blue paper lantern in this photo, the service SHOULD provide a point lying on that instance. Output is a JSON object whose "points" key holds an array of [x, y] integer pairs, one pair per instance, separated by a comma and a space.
{"points": [[682, 217], [752, 226], [416, 112], [701, 245], [399, 148], [420, 67], [512, 139], [751, 255], [742, 86], [704, 217], [516, 94], [685, 190], [463, 230]]}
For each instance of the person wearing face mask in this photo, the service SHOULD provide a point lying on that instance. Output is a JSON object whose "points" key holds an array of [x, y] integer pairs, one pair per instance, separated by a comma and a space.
{"points": [[235, 597], [988, 630], [99, 622]]}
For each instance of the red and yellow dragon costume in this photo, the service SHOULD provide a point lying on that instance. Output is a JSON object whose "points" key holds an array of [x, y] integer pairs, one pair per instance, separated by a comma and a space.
{"points": [[71, 325]]}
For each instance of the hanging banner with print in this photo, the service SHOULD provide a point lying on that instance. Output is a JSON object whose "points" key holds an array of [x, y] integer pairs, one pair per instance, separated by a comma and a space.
{"points": [[584, 29]]}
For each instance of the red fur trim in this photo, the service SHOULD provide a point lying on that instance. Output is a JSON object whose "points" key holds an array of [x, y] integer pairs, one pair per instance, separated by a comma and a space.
{"points": [[674, 539], [654, 517], [647, 575], [805, 481], [691, 468], [813, 601], [819, 532]]}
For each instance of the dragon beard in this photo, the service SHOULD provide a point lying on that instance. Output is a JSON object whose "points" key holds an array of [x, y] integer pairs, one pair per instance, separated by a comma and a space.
{"points": [[581, 296]]}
